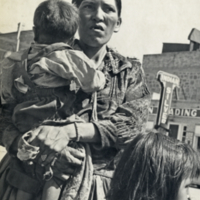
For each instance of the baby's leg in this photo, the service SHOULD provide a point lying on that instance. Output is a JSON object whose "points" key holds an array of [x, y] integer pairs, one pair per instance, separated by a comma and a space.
{"points": [[51, 190]]}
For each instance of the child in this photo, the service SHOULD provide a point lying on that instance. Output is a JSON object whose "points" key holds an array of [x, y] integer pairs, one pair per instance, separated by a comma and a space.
{"points": [[46, 82], [155, 167], [52, 68]]}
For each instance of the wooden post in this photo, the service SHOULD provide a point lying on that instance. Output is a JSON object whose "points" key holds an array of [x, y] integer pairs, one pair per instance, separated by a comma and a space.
{"points": [[18, 36]]}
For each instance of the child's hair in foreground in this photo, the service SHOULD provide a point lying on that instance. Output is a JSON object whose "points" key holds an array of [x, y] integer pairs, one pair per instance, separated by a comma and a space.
{"points": [[57, 19], [152, 167]]}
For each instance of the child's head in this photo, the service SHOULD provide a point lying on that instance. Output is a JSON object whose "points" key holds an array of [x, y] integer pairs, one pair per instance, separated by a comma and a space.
{"points": [[153, 167], [55, 21]]}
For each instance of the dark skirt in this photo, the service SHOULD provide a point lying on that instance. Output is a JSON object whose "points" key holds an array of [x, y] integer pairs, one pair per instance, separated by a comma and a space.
{"points": [[99, 187]]}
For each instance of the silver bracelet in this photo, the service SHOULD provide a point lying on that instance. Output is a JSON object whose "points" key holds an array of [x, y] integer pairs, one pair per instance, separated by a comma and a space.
{"points": [[77, 132]]}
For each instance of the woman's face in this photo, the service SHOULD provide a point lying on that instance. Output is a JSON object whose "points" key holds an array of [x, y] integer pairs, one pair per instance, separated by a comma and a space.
{"points": [[98, 20]]}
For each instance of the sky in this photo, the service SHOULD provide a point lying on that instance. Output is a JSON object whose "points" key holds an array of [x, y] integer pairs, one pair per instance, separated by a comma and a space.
{"points": [[146, 24]]}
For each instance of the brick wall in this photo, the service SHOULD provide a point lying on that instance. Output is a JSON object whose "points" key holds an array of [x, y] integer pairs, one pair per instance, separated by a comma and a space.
{"points": [[186, 65]]}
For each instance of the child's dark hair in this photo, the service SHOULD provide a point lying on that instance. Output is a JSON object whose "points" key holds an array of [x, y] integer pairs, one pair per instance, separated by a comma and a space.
{"points": [[152, 167], [56, 19]]}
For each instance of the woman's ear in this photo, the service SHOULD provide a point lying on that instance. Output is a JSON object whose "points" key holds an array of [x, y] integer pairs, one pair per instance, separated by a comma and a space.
{"points": [[118, 25]]}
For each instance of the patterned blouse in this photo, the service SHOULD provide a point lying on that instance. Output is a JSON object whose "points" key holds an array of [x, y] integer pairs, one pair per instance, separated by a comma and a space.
{"points": [[122, 112], [122, 107]]}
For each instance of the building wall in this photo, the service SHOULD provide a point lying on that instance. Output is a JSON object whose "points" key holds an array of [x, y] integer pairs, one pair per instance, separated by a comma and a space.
{"points": [[8, 41], [182, 114], [185, 108], [186, 65]]}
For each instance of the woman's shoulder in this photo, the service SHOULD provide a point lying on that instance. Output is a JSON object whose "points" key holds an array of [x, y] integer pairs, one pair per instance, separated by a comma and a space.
{"points": [[118, 62]]}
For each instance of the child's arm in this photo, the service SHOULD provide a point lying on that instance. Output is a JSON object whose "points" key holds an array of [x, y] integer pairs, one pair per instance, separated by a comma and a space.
{"points": [[64, 66], [86, 75]]}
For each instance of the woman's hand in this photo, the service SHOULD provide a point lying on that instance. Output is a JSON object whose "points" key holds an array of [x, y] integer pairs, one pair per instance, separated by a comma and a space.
{"points": [[53, 142]]}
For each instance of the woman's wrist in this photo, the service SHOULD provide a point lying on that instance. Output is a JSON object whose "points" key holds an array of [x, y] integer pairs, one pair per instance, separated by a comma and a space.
{"points": [[84, 132]]}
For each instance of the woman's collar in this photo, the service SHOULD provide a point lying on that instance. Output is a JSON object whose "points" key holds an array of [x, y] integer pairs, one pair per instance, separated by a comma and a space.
{"points": [[113, 61]]}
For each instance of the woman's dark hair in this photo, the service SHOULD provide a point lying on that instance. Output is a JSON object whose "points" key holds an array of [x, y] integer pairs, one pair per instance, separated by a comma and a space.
{"points": [[56, 18], [118, 3], [152, 167]]}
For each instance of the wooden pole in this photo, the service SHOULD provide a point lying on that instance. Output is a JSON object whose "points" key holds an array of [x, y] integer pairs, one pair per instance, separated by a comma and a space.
{"points": [[18, 36]]}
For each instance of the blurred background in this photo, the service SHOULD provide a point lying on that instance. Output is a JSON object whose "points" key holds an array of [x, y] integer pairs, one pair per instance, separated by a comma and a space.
{"points": [[146, 23]]}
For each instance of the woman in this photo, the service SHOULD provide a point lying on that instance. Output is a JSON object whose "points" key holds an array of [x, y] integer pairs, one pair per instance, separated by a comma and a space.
{"points": [[155, 167], [122, 106]]}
